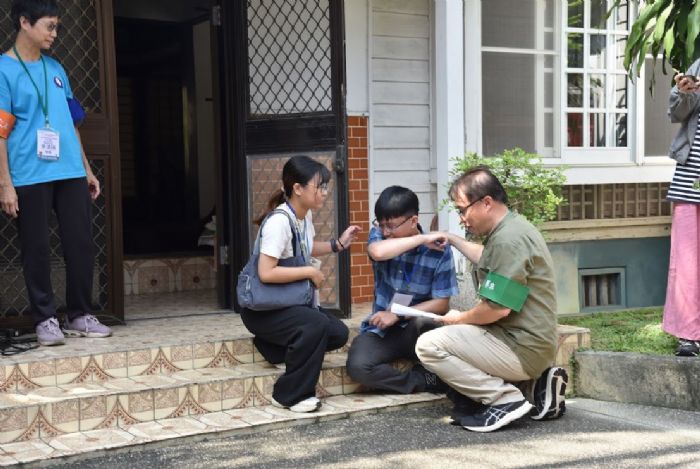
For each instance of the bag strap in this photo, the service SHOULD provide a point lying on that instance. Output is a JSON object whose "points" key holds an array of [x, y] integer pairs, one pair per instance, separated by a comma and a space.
{"points": [[296, 242]]}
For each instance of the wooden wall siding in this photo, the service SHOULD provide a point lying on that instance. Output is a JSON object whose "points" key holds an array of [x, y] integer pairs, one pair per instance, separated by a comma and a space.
{"points": [[400, 103], [361, 276]]}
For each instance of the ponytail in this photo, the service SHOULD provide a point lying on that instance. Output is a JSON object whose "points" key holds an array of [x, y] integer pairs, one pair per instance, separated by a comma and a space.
{"points": [[277, 198]]}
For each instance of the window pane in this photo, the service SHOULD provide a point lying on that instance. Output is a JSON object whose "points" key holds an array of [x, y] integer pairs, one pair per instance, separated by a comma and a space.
{"points": [[597, 123], [549, 13], [621, 130], [574, 90], [598, 13], [574, 45], [597, 51], [549, 61], [548, 130], [620, 43], [548, 89], [658, 130], [621, 16], [576, 13], [508, 111], [621, 91], [574, 123], [597, 89], [509, 23]]}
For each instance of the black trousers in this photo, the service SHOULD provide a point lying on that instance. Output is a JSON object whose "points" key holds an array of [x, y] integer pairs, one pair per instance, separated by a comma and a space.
{"points": [[299, 336], [70, 200], [370, 357]]}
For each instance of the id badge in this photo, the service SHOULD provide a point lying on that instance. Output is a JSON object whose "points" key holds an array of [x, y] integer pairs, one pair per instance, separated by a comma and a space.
{"points": [[401, 299], [48, 144]]}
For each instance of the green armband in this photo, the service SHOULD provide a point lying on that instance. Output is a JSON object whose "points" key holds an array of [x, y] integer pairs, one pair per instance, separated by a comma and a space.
{"points": [[504, 291]]}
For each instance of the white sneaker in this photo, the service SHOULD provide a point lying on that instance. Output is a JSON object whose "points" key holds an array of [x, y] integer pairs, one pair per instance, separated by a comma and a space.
{"points": [[310, 404]]}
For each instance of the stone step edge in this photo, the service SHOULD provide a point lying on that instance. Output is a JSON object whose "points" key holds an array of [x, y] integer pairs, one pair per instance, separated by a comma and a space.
{"points": [[164, 360], [245, 340], [78, 446], [253, 371]]}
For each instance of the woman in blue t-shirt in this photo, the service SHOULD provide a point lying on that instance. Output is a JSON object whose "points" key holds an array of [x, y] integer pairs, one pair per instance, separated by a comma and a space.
{"points": [[43, 168]]}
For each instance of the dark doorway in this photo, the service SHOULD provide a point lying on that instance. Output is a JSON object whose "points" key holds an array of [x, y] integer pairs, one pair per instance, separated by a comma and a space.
{"points": [[163, 56]]}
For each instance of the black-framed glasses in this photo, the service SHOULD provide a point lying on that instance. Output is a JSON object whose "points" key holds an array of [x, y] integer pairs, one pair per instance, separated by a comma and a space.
{"points": [[320, 187], [389, 228], [463, 211]]}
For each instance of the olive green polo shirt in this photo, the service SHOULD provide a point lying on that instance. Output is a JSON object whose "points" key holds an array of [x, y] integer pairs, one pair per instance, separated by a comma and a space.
{"points": [[516, 249]]}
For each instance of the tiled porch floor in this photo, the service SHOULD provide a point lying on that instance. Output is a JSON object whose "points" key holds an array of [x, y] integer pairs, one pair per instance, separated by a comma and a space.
{"points": [[194, 324], [171, 305]]}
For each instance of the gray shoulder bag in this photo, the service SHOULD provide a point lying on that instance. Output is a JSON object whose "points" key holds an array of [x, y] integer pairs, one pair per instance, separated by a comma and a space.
{"points": [[259, 296]]}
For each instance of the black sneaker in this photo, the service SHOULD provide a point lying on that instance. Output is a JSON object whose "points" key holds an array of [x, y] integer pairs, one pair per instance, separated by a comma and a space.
{"points": [[463, 406], [687, 348], [433, 383], [496, 416], [549, 392]]}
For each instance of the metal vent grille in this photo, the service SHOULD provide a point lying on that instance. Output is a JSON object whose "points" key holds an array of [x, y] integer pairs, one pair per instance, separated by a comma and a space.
{"points": [[601, 288]]}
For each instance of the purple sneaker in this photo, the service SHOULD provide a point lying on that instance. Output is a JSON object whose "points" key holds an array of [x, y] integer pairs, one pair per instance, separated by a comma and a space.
{"points": [[48, 333], [86, 325]]}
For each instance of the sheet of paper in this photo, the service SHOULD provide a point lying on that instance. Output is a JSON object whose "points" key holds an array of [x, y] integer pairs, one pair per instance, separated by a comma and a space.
{"points": [[402, 310]]}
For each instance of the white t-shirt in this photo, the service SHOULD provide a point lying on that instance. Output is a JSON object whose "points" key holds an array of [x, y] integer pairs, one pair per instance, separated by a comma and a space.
{"points": [[276, 238]]}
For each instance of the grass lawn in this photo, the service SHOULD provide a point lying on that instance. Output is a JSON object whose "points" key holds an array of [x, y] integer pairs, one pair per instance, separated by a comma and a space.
{"points": [[626, 331]]}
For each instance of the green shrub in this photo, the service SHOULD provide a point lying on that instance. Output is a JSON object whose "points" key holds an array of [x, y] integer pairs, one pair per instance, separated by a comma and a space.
{"points": [[534, 190]]}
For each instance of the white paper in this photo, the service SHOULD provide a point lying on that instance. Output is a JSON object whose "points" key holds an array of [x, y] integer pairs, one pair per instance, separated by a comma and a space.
{"points": [[402, 310]]}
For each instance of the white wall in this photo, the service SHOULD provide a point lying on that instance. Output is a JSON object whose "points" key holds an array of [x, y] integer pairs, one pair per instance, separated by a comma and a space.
{"points": [[356, 58], [400, 99]]}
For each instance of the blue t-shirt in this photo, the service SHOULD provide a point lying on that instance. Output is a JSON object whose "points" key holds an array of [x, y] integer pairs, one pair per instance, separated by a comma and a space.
{"points": [[18, 97]]}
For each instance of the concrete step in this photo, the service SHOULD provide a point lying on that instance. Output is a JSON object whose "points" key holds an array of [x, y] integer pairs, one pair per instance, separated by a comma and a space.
{"points": [[51, 411], [70, 447], [143, 348], [167, 378]]}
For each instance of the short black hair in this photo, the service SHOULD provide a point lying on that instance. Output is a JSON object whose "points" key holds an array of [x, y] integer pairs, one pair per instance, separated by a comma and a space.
{"points": [[478, 182], [32, 10], [396, 201]]}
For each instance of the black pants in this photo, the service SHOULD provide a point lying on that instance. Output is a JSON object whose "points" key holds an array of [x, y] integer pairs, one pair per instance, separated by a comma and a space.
{"points": [[298, 336], [70, 199], [370, 357]]}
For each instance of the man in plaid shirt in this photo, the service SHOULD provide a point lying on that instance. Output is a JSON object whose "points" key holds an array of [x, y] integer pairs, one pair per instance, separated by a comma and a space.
{"points": [[409, 269]]}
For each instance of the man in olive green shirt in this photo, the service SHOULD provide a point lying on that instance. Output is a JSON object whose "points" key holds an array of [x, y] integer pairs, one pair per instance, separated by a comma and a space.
{"points": [[510, 336]]}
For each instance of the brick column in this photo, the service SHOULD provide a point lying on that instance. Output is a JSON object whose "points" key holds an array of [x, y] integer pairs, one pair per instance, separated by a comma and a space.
{"points": [[361, 278]]}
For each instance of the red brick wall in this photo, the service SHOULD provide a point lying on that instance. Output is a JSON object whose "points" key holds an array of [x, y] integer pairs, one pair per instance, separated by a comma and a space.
{"points": [[362, 285]]}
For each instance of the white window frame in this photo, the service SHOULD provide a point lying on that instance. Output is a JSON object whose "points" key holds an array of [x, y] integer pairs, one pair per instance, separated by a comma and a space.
{"points": [[540, 69], [604, 155]]}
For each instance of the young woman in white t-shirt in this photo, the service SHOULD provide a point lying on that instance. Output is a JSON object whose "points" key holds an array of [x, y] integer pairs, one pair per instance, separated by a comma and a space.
{"points": [[297, 336]]}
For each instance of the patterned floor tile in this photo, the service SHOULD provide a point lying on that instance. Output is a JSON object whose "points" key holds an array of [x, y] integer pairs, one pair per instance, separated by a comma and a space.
{"points": [[91, 441], [7, 460], [184, 426], [151, 431], [223, 420], [25, 452], [20, 424]]}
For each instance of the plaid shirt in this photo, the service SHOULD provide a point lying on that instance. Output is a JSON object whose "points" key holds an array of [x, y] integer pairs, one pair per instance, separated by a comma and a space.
{"points": [[422, 272]]}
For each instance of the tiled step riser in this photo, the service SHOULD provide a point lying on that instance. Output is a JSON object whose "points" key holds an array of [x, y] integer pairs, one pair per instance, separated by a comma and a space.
{"points": [[102, 368], [121, 403]]}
